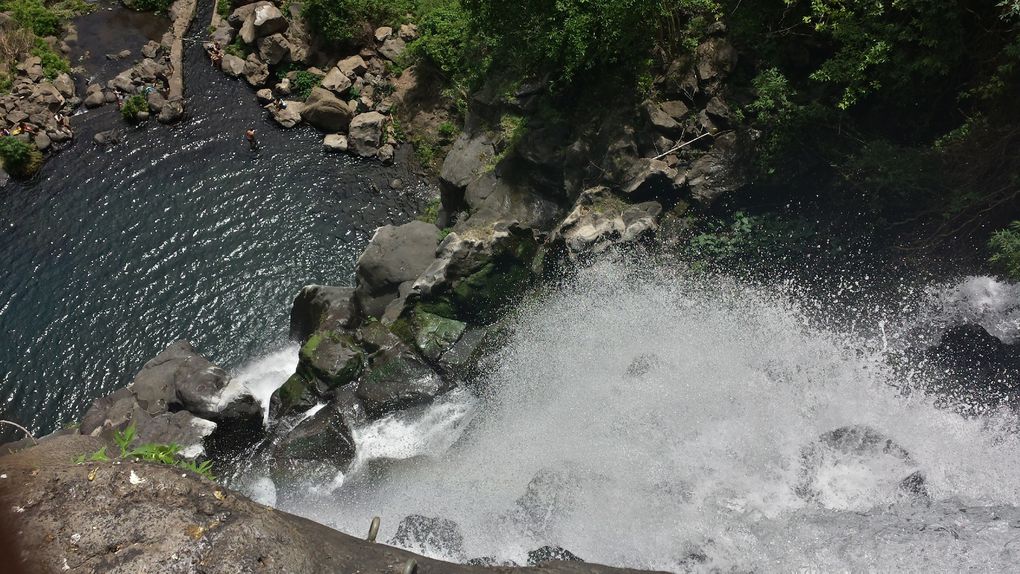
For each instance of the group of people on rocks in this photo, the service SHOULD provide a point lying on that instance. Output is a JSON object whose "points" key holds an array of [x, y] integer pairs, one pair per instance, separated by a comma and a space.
{"points": [[63, 124], [215, 54]]}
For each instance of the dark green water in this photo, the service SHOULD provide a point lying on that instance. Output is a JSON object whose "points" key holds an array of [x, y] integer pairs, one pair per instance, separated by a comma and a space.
{"points": [[112, 253]]}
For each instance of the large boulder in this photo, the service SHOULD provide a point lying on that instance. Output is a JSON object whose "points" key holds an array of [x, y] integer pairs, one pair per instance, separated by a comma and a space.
{"points": [[335, 143], [274, 49], [288, 116], [332, 358], [649, 179], [327, 112], [365, 133], [715, 59], [393, 48], [320, 307], [336, 81], [265, 19], [396, 255], [491, 198], [232, 65], [398, 379], [324, 436], [724, 169], [256, 72], [465, 162], [352, 66]]}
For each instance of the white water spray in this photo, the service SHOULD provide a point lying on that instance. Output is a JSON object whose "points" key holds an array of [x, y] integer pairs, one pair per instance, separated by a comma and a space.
{"points": [[662, 421]]}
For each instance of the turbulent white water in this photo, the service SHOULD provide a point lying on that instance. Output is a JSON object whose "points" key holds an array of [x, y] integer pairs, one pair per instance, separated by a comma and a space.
{"points": [[662, 421]]}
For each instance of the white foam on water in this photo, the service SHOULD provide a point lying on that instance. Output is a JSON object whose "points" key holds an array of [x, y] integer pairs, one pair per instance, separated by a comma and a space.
{"points": [[266, 373], [657, 419]]}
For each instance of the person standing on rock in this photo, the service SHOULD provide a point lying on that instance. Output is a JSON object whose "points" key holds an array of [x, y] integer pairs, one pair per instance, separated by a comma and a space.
{"points": [[253, 144]]}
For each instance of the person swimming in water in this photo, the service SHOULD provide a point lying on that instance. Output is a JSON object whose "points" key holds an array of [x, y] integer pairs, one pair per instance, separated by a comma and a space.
{"points": [[249, 135]]}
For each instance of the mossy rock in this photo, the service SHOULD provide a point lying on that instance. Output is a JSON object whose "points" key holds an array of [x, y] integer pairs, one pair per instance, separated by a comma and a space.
{"points": [[296, 395], [398, 379], [435, 334], [483, 296], [332, 358]]}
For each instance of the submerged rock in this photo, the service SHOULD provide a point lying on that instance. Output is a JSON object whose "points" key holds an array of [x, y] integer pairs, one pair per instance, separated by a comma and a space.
{"points": [[429, 535], [551, 554]]}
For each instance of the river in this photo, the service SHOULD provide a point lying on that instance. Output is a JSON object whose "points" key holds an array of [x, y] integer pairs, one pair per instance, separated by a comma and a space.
{"points": [[111, 253]]}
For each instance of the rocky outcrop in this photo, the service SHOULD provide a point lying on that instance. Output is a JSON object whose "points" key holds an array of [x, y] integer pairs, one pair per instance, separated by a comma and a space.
{"points": [[178, 396], [73, 518], [365, 135], [394, 258], [326, 112]]}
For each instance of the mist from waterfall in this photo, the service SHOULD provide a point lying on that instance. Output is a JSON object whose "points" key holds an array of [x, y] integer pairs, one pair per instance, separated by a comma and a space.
{"points": [[651, 417]]}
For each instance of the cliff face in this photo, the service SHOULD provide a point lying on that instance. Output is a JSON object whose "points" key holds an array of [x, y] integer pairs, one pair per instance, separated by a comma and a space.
{"points": [[110, 517]]}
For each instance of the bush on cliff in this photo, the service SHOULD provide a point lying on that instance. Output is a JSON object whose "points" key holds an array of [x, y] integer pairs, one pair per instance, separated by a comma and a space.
{"points": [[1005, 248], [19, 158], [351, 21]]}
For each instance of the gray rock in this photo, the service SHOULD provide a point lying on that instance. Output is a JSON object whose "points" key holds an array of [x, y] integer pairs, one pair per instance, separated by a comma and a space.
{"points": [[326, 112], [333, 359], [491, 199], [106, 138], [240, 15], [94, 99], [659, 119], [723, 170], [465, 162], [352, 66], [408, 32], [64, 84], [335, 143], [715, 59], [386, 154], [289, 116], [393, 48], [151, 49], [232, 65], [336, 81], [274, 49], [324, 436], [395, 255], [223, 34], [649, 178], [382, 33], [171, 112], [365, 133], [676, 109], [264, 96], [156, 101], [268, 20], [320, 308], [42, 141], [256, 72]]}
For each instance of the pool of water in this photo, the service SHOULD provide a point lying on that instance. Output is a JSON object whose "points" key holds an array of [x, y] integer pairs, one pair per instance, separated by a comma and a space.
{"points": [[112, 253]]}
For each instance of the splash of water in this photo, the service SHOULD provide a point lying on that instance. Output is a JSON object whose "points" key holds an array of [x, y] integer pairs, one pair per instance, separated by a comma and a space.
{"points": [[263, 375], [660, 420]]}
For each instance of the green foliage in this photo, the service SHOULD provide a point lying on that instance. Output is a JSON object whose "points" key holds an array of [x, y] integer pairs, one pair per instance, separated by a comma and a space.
{"points": [[1004, 246], [168, 454], [224, 7], [134, 105], [53, 63], [238, 48], [431, 212], [33, 15], [20, 159], [744, 238], [303, 82], [447, 131], [346, 21], [449, 42]]}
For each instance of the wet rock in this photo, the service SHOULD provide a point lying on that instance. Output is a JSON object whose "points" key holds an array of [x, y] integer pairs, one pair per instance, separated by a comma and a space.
{"points": [[365, 133], [156, 101], [151, 49], [429, 535], [108, 137], [395, 255], [352, 66], [324, 436], [171, 112], [335, 143], [296, 395], [336, 81], [398, 379], [434, 334], [332, 358], [326, 112], [274, 49], [551, 554], [601, 220]]}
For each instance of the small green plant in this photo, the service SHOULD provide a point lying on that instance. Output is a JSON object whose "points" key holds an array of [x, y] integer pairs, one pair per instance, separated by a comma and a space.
{"points": [[19, 158], [1005, 248], [448, 131], [53, 63], [431, 212], [303, 82], [223, 8], [133, 106], [168, 454], [238, 48]]}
